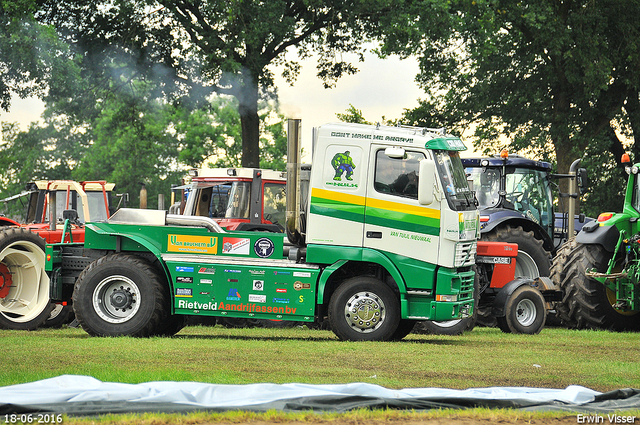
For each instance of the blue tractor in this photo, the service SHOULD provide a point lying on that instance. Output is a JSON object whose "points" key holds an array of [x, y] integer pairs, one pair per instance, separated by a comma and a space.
{"points": [[516, 203]]}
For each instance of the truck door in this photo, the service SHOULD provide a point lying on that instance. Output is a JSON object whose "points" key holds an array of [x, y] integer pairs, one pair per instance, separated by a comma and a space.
{"points": [[394, 220]]}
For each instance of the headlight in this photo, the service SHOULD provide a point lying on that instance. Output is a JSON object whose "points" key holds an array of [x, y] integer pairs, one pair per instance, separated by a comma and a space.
{"points": [[447, 298]]}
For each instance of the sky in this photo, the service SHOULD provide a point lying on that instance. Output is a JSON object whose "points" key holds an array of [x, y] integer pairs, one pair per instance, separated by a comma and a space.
{"points": [[382, 88]]}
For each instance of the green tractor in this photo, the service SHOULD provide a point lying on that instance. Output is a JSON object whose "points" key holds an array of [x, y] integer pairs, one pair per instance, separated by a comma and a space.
{"points": [[599, 270]]}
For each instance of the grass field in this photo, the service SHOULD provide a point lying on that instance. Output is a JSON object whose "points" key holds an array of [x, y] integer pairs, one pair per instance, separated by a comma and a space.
{"points": [[556, 358]]}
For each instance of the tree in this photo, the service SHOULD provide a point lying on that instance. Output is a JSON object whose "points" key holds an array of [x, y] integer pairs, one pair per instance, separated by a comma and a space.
{"points": [[29, 52], [557, 78], [197, 48]]}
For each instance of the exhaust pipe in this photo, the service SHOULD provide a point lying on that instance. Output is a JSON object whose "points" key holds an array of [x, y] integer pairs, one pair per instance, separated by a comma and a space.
{"points": [[293, 225]]}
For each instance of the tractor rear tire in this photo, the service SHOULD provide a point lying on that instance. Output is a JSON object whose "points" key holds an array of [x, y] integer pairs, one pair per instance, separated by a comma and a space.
{"points": [[587, 303], [24, 285], [364, 309], [525, 312], [121, 294], [533, 260]]}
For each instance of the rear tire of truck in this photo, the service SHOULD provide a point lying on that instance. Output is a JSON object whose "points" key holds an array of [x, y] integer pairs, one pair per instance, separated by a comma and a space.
{"points": [[60, 315], [587, 303], [525, 312], [452, 327], [533, 260], [121, 294], [364, 309], [24, 285]]}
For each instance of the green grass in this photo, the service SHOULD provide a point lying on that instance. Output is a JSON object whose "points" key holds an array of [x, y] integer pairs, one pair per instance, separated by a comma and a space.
{"points": [[556, 358]]}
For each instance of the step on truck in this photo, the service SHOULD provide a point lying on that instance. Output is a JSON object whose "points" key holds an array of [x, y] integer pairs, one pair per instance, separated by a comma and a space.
{"points": [[383, 232]]}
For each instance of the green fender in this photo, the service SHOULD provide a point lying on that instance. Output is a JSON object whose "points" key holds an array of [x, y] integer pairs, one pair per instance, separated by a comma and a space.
{"points": [[370, 256]]}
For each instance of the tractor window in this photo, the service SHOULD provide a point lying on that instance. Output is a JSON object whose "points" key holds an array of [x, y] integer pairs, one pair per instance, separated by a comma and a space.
{"points": [[97, 208], [239, 200], [529, 192], [275, 203], [486, 183], [635, 199]]}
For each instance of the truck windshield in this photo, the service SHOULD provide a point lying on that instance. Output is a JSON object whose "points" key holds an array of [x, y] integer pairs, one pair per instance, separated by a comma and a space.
{"points": [[454, 180]]}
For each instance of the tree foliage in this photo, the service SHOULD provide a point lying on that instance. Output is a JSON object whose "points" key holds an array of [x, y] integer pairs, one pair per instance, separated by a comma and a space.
{"points": [[554, 79], [195, 48]]}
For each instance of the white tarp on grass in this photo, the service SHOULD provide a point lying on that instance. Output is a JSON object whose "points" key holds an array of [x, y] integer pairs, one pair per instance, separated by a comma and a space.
{"points": [[74, 394]]}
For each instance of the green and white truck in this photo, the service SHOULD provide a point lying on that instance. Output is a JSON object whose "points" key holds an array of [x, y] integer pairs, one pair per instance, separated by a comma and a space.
{"points": [[381, 232]]}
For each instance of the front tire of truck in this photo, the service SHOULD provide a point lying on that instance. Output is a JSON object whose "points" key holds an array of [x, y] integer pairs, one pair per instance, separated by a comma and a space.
{"points": [[587, 303], [121, 294], [364, 309], [24, 285]]}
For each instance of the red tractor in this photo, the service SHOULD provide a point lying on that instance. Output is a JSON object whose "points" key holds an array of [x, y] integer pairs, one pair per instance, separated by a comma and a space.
{"points": [[56, 211]]}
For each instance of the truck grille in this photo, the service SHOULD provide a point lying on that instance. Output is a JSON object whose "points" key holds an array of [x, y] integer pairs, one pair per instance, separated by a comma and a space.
{"points": [[465, 254], [466, 287]]}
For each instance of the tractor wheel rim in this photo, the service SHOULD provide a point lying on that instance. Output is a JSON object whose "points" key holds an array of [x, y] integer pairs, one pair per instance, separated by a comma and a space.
{"points": [[526, 312], [365, 312], [29, 293], [116, 299], [526, 266]]}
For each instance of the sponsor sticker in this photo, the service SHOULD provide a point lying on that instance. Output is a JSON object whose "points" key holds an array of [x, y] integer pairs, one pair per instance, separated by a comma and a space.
{"points": [[184, 292], [281, 300], [281, 290], [257, 272], [239, 246], [193, 244], [184, 279], [233, 295], [206, 270], [184, 269], [264, 247], [254, 298], [301, 274], [299, 286], [258, 285], [232, 271], [206, 281]]}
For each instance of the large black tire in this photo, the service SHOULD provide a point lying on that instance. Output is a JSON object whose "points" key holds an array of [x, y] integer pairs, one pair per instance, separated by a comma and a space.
{"points": [[405, 327], [587, 303], [121, 294], [60, 315], [533, 260], [24, 284], [525, 312], [452, 327], [364, 309]]}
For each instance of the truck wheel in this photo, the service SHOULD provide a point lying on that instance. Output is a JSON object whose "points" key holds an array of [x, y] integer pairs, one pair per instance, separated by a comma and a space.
{"points": [[121, 294], [364, 309], [60, 315], [171, 325], [533, 260], [452, 327], [525, 312], [405, 327], [587, 303], [24, 285]]}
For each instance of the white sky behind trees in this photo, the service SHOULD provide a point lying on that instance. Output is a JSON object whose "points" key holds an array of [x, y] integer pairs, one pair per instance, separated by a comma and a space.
{"points": [[382, 88]]}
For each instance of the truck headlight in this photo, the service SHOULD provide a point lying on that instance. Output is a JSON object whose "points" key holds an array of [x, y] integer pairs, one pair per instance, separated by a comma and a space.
{"points": [[447, 298]]}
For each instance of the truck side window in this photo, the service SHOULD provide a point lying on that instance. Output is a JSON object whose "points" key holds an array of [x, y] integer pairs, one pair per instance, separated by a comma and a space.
{"points": [[275, 203], [398, 176]]}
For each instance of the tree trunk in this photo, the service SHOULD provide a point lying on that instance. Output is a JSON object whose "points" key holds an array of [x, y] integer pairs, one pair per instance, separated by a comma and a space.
{"points": [[250, 122]]}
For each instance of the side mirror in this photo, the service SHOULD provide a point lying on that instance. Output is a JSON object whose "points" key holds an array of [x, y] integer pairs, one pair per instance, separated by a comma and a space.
{"points": [[582, 179], [426, 182]]}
